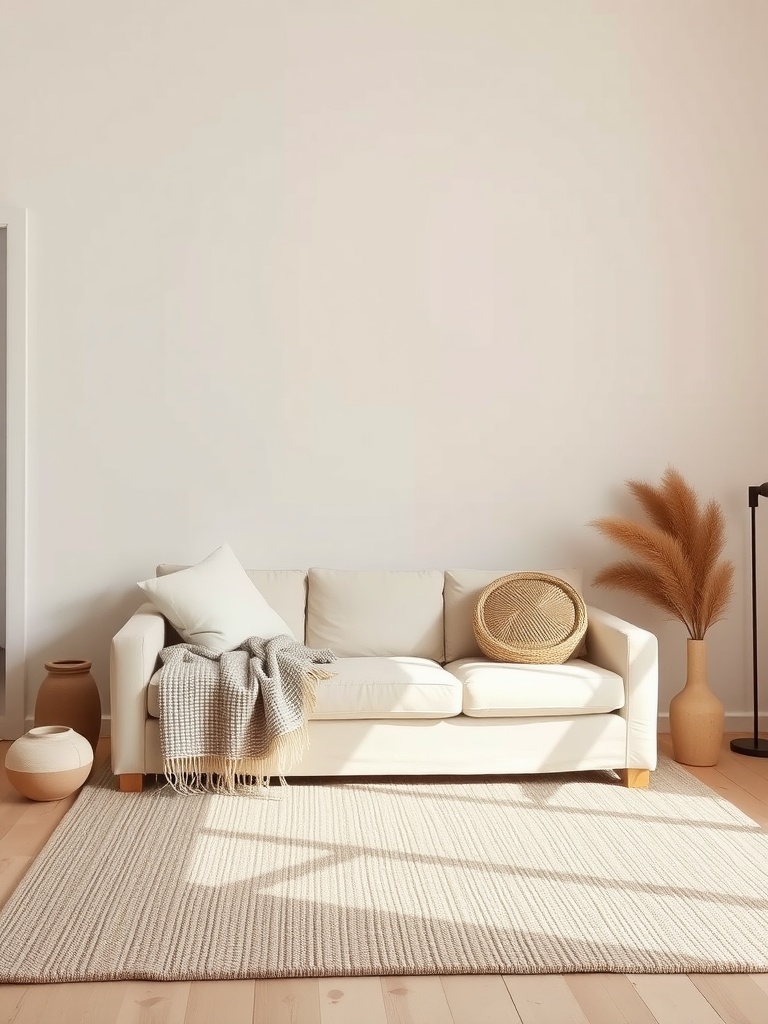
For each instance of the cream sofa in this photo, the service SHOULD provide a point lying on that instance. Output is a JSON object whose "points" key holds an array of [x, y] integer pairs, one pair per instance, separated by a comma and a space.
{"points": [[412, 694]]}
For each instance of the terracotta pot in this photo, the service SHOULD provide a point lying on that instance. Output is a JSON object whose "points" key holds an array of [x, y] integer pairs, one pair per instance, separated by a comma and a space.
{"points": [[49, 763], [696, 715], [69, 696]]}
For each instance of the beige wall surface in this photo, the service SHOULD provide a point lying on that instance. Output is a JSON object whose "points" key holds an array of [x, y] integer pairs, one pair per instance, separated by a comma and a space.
{"points": [[383, 284], [3, 414]]}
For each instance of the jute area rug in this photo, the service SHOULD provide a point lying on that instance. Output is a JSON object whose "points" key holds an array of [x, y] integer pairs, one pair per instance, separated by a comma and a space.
{"points": [[531, 875]]}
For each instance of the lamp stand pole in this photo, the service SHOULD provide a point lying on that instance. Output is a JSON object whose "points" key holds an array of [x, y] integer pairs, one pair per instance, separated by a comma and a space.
{"points": [[753, 746]]}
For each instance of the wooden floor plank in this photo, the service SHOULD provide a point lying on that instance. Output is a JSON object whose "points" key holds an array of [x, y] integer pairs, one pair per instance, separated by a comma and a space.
{"points": [[32, 829], [544, 999], [220, 1002], [415, 1000], [737, 998], [479, 997], [287, 1001], [12, 870], [154, 1002], [609, 999], [757, 765], [674, 999], [761, 980], [737, 769], [75, 1003], [10, 1002], [352, 1000], [12, 807], [37, 1005]]}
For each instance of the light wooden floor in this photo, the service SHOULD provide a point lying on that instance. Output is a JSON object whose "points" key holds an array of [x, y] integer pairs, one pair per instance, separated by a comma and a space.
{"points": [[482, 999]]}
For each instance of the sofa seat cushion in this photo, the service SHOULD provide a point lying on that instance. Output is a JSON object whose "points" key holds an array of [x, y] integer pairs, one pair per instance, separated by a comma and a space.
{"points": [[497, 689], [376, 688], [397, 687]]}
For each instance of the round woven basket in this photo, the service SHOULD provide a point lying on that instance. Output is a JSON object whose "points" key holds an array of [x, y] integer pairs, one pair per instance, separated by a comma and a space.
{"points": [[530, 617]]}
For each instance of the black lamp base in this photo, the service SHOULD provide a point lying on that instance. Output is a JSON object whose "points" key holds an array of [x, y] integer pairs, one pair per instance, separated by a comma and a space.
{"points": [[746, 745]]}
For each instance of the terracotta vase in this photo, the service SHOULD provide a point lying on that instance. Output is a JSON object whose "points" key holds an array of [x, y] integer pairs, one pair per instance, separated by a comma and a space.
{"points": [[49, 763], [69, 696], [696, 715]]}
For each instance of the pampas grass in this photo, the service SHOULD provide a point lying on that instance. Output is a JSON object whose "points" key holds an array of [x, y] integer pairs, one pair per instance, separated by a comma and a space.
{"points": [[677, 562]]}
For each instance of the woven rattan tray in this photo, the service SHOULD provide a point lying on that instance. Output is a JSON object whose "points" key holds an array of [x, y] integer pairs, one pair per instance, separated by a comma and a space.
{"points": [[530, 617]]}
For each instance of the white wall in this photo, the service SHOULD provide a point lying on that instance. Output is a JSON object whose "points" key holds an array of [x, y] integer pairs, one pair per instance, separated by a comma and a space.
{"points": [[3, 413], [389, 283]]}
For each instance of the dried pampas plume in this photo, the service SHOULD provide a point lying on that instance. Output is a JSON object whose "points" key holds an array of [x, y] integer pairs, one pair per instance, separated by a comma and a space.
{"points": [[677, 555]]}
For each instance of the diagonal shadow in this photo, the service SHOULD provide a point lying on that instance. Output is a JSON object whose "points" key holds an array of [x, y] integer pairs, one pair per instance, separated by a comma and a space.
{"points": [[338, 854], [512, 805]]}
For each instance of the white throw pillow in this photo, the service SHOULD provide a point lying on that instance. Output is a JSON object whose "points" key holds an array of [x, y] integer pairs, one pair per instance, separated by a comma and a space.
{"points": [[214, 603]]}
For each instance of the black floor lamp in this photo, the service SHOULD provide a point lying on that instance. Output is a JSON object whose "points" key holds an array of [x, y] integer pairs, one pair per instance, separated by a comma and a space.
{"points": [[753, 745]]}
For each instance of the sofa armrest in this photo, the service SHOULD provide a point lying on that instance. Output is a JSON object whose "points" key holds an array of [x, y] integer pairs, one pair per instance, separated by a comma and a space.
{"points": [[133, 659], [632, 653]]}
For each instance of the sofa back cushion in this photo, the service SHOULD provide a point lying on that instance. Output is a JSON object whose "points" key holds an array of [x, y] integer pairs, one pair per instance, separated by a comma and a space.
{"points": [[284, 590], [375, 613], [463, 588]]}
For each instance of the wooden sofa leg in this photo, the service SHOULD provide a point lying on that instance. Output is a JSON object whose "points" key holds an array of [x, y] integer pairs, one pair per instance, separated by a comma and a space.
{"points": [[130, 783], [635, 778]]}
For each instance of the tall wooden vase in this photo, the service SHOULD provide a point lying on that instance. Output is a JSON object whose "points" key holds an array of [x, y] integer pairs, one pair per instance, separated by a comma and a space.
{"points": [[696, 715], [69, 696]]}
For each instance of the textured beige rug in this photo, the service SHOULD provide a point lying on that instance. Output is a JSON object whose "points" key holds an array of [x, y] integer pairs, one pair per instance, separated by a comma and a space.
{"points": [[545, 874]]}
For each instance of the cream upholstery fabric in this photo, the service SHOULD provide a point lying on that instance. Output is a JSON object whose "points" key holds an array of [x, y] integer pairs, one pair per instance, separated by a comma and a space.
{"points": [[284, 590], [375, 688], [376, 613], [388, 688], [463, 588], [133, 657], [632, 653], [497, 689], [454, 746]]}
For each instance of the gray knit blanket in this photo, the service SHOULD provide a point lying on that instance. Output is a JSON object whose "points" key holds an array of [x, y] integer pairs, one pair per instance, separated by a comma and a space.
{"points": [[234, 719]]}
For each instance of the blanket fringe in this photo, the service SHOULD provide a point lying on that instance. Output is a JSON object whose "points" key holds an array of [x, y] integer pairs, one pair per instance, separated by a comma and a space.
{"points": [[247, 775]]}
